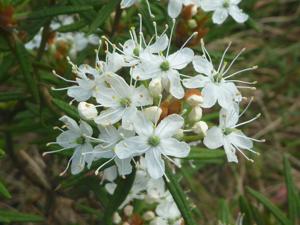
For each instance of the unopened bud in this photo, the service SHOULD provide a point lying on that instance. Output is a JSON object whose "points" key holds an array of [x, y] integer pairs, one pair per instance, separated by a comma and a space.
{"points": [[196, 114], [155, 87], [194, 100], [200, 128], [179, 134], [153, 113], [116, 218], [148, 216], [87, 111], [192, 24], [128, 210]]}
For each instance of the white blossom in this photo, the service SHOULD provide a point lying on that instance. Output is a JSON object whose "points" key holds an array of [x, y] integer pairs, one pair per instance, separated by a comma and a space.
{"points": [[154, 142], [223, 8]]}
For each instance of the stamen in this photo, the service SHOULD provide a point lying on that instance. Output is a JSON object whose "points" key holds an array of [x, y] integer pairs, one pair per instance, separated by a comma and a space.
{"points": [[223, 56], [104, 164], [149, 9], [54, 151], [248, 121], [59, 89], [62, 78], [173, 161], [51, 143], [243, 82], [95, 139], [205, 52], [241, 71], [155, 29], [252, 139], [246, 87], [171, 35], [251, 160], [68, 165], [58, 128], [246, 108], [235, 58]]}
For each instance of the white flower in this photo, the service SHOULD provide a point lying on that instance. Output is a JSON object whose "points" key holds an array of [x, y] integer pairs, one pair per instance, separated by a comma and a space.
{"points": [[75, 138], [155, 142], [228, 136], [127, 3], [223, 8], [200, 128], [122, 101], [216, 87], [167, 210], [164, 67], [87, 111], [195, 114], [155, 87], [109, 136], [195, 100], [175, 6]]}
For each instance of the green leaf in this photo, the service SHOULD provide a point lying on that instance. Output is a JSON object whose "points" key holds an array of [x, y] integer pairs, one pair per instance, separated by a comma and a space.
{"points": [[73, 27], [11, 96], [67, 108], [122, 190], [58, 10], [277, 213], [103, 14], [26, 67], [3, 191], [246, 210], [179, 197], [224, 212], [293, 197], [12, 216], [198, 153]]}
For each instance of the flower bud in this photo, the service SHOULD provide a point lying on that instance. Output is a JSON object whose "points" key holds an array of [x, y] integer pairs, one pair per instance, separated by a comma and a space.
{"points": [[128, 210], [153, 113], [179, 134], [192, 23], [200, 128], [116, 218], [194, 100], [196, 114], [87, 111], [155, 87], [149, 215]]}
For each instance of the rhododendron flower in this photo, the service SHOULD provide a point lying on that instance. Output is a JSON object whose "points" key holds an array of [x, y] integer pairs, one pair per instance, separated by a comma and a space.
{"points": [[223, 8], [155, 142]]}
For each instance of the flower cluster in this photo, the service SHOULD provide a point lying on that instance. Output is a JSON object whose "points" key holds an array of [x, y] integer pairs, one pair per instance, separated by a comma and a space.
{"points": [[221, 8], [130, 95]]}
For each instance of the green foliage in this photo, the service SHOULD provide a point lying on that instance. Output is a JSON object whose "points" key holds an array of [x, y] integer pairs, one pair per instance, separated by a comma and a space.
{"points": [[12, 216]]}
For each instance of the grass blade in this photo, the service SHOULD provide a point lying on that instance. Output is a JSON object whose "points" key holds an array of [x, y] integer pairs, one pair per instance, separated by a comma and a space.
{"points": [[3, 191], [11, 216], [179, 198], [277, 213]]}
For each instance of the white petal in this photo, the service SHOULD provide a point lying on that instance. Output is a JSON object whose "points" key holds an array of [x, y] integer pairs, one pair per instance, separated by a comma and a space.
{"points": [[169, 126], [110, 116], [181, 58], [174, 8], [124, 166], [175, 148], [118, 85], [225, 96], [239, 139], [220, 15], [132, 146], [198, 81], [128, 117], [70, 123], [202, 65], [141, 96], [176, 88], [79, 94], [230, 151], [214, 138], [67, 139], [209, 94], [109, 134], [237, 14], [142, 125], [115, 61], [155, 164], [210, 5], [159, 45], [86, 128], [88, 158], [110, 173], [127, 3], [229, 117], [77, 164], [108, 98]]}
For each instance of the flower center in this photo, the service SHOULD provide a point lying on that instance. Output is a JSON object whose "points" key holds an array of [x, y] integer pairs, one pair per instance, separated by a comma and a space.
{"points": [[136, 51], [217, 77], [154, 141], [165, 66], [80, 140], [125, 102], [228, 131], [226, 4]]}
